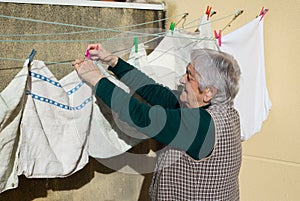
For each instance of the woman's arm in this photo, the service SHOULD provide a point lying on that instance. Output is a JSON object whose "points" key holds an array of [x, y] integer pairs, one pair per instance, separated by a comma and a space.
{"points": [[145, 86], [184, 129], [136, 80]]}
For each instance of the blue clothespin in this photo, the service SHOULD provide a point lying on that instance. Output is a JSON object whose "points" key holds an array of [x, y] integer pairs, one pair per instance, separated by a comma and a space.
{"points": [[172, 27], [136, 44], [31, 56]]}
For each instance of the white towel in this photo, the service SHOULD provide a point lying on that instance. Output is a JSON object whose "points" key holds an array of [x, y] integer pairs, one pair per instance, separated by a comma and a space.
{"points": [[12, 101], [54, 125], [62, 126], [253, 103]]}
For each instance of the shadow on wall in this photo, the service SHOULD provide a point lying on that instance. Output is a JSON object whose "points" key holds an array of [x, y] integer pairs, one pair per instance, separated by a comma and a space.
{"points": [[30, 189]]}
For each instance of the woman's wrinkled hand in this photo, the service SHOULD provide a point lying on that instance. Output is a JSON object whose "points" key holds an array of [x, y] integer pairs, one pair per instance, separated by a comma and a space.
{"points": [[88, 71], [99, 53]]}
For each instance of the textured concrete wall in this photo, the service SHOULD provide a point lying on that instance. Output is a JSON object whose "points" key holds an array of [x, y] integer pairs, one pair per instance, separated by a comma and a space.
{"points": [[96, 181], [55, 47]]}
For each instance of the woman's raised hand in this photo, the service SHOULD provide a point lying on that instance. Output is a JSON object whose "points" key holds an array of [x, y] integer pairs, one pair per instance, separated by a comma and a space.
{"points": [[99, 53]]}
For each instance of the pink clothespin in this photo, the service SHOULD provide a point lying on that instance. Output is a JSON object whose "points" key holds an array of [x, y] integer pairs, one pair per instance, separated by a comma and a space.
{"points": [[207, 12], [263, 12], [218, 37], [87, 53]]}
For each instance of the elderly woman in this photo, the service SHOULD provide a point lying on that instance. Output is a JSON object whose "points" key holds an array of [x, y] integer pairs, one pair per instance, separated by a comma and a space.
{"points": [[201, 128]]}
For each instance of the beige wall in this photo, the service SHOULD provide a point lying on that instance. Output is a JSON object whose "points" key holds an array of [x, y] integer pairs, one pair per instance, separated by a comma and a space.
{"points": [[271, 159]]}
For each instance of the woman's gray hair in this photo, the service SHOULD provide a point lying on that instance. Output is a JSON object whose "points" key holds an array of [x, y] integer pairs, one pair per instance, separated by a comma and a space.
{"points": [[217, 70]]}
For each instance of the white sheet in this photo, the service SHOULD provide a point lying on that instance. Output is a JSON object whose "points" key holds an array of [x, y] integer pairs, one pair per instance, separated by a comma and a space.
{"points": [[253, 103]]}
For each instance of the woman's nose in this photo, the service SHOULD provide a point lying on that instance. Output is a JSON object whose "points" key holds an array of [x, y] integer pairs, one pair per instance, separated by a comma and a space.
{"points": [[183, 79]]}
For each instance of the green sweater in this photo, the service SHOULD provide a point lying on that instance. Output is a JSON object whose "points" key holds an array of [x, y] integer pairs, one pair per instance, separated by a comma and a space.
{"points": [[162, 118]]}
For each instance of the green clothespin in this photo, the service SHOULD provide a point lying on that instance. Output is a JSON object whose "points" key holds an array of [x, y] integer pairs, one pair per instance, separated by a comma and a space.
{"points": [[136, 44], [172, 27]]}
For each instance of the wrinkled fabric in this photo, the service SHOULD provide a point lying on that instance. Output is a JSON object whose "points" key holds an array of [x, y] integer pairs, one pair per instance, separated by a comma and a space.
{"points": [[12, 100], [55, 124], [108, 135], [168, 61], [49, 128], [63, 125], [253, 103]]}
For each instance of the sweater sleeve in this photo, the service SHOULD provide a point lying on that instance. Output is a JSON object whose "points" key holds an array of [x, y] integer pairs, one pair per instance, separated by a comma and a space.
{"points": [[181, 128], [145, 86]]}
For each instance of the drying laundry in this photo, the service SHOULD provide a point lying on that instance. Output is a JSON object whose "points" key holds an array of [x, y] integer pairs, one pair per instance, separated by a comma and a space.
{"points": [[108, 135], [253, 103], [58, 128], [54, 125], [62, 126], [168, 61], [12, 100]]}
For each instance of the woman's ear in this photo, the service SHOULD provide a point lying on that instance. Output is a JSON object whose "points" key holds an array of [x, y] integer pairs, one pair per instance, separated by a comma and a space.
{"points": [[209, 93]]}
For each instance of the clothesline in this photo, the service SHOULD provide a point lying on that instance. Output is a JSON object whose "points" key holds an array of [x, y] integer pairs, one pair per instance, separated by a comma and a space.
{"points": [[103, 39], [95, 29], [80, 32], [115, 52], [69, 61]]}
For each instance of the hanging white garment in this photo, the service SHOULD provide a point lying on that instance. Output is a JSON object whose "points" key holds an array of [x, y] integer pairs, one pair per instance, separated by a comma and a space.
{"points": [[62, 126], [12, 100], [168, 61], [50, 128], [246, 44], [54, 125], [108, 135]]}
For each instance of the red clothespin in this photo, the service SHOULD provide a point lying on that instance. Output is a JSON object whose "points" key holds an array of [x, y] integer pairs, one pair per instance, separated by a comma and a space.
{"points": [[218, 37], [263, 12], [207, 12]]}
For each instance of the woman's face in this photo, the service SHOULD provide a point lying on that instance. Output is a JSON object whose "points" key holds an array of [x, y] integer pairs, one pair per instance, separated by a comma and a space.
{"points": [[191, 95]]}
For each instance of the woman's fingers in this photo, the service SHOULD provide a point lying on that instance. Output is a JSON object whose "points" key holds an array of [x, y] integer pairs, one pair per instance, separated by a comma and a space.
{"points": [[77, 63]]}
